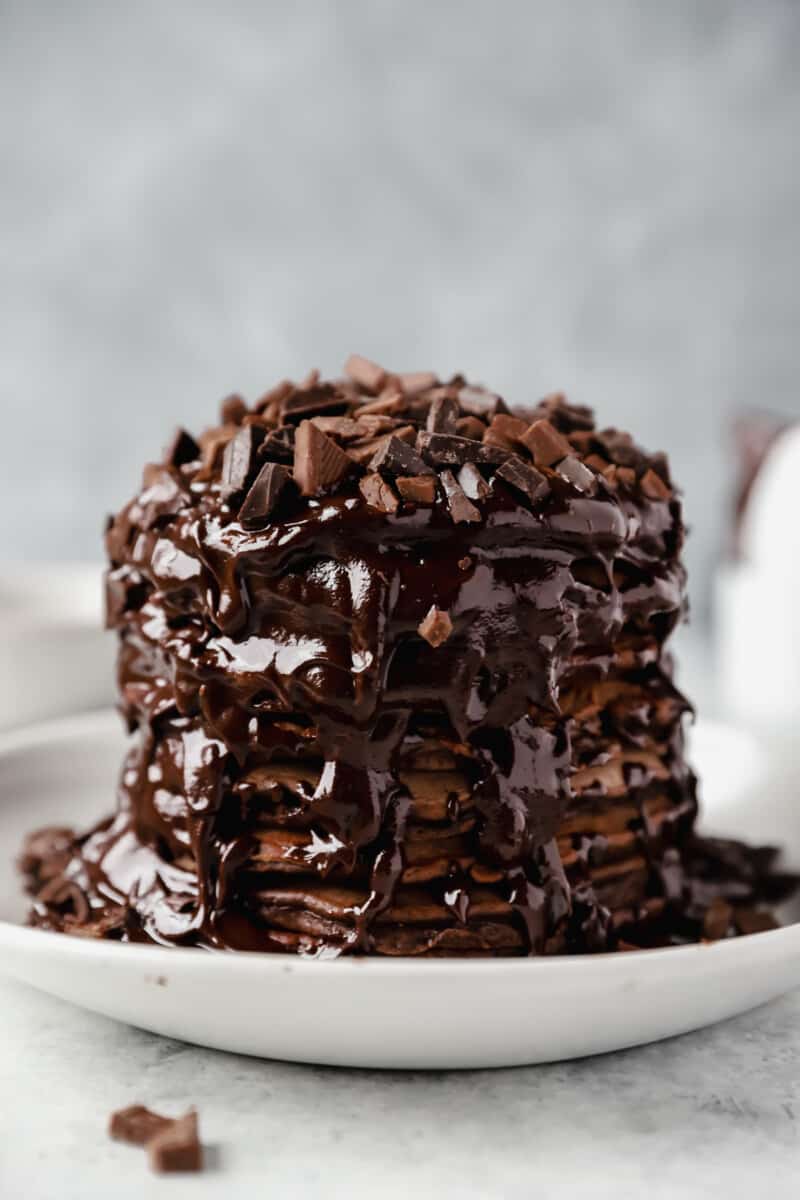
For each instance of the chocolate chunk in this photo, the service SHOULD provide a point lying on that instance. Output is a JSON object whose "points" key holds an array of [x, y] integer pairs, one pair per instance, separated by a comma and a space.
{"points": [[471, 427], [343, 428], [505, 430], [232, 410], [442, 414], [753, 920], [620, 448], [574, 471], [436, 626], [448, 449], [365, 373], [182, 449], [374, 424], [309, 401], [565, 417], [239, 459], [387, 405], [399, 458], [654, 487], [546, 444], [419, 489], [318, 461], [270, 403], [363, 452], [472, 482], [378, 493], [523, 478], [263, 495], [596, 463], [462, 510], [465, 563], [626, 475], [413, 382], [479, 402], [278, 446], [136, 1125], [177, 1148], [212, 446], [717, 919]]}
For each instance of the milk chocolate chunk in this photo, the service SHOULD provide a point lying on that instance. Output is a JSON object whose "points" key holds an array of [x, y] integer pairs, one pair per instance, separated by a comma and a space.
{"points": [[479, 402], [471, 427], [446, 449], [181, 450], [523, 478], [654, 487], [413, 382], [136, 1125], [309, 401], [417, 489], [574, 471], [545, 443], [462, 510], [273, 399], [620, 448], [753, 920], [177, 1148], [318, 461], [387, 405], [232, 410], [442, 414], [400, 459], [264, 494], [566, 418], [436, 627], [365, 373], [378, 493], [505, 430], [472, 482]]}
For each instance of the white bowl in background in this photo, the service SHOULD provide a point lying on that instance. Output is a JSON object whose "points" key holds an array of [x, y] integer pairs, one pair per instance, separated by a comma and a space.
{"points": [[55, 657]]}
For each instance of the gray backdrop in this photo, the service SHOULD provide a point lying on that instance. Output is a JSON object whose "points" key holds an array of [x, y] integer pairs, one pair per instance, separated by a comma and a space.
{"points": [[197, 197]]}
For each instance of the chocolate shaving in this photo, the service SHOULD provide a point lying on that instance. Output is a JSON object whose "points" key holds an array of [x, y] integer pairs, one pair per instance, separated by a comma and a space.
{"points": [[436, 626], [523, 478], [136, 1125], [654, 487], [263, 495], [399, 458], [442, 414], [462, 510], [472, 482], [177, 1148], [238, 461], [546, 444], [365, 373], [182, 449], [232, 410], [418, 489], [448, 449], [318, 461], [574, 471], [378, 493]]}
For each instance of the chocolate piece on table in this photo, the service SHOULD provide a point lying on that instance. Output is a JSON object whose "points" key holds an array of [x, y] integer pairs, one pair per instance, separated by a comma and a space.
{"points": [[523, 478], [653, 486], [182, 449], [451, 450], [417, 489], [177, 1148], [365, 373], [378, 493], [239, 459], [462, 510], [232, 409], [545, 443], [136, 1125], [399, 458], [264, 493], [442, 414], [436, 627], [472, 482], [318, 461], [574, 471]]}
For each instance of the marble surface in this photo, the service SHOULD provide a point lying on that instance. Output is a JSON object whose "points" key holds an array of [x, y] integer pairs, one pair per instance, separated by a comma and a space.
{"points": [[710, 1114]]}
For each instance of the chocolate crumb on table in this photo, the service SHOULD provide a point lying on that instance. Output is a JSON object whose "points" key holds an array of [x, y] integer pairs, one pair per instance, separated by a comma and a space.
{"points": [[172, 1143], [136, 1125]]}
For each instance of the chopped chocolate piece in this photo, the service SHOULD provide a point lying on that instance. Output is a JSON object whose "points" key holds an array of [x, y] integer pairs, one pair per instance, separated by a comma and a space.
{"points": [[574, 471], [465, 563], [136, 1125], [365, 373], [232, 410], [412, 382], [418, 489], [596, 463], [399, 458], [343, 428], [239, 459], [505, 430], [318, 461], [620, 448], [627, 476], [278, 446], [442, 414], [212, 446], [309, 401], [447, 448], [462, 510], [717, 920], [436, 626], [753, 920], [565, 417], [263, 495], [388, 405], [654, 487], [363, 452], [275, 397], [523, 478], [182, 449], [378, 493], [373, 424], [177, 1148], [546, 444], [472, 482], [471, 427], [479, 402]]}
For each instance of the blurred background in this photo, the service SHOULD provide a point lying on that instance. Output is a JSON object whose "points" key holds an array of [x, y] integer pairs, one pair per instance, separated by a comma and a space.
{"points": [[199, 198]]}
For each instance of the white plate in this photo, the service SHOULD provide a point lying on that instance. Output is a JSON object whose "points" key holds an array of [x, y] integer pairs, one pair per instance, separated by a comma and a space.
{"points": [[54, 651], [373, 1012]]}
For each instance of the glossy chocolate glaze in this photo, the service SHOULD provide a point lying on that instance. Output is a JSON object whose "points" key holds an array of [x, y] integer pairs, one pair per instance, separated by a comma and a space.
{"points": [[298, 643]]}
